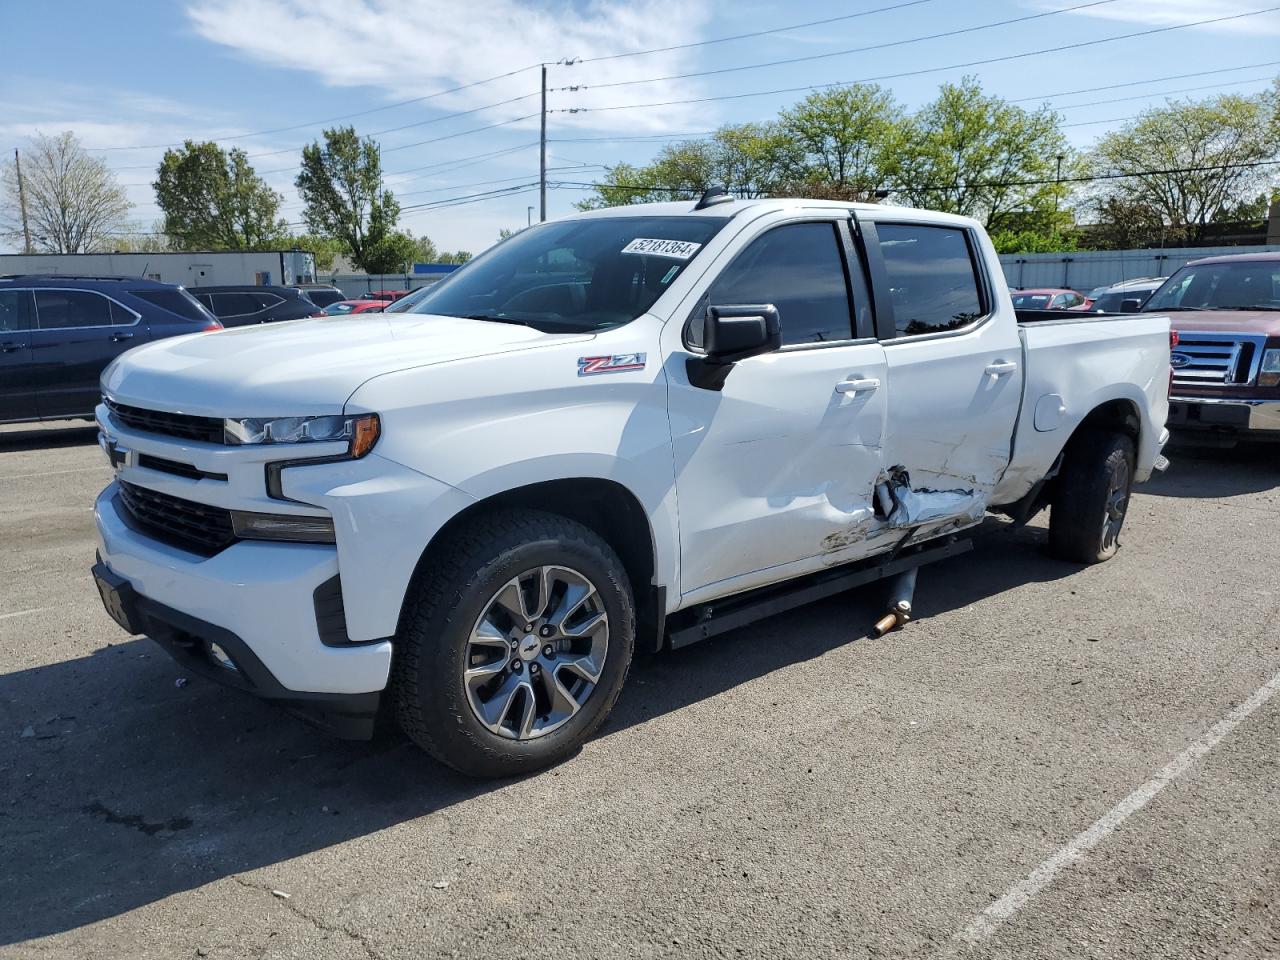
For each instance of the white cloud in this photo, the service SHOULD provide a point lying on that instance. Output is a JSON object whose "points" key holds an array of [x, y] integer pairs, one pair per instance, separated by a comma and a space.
{"points": [[409, 48], [1167, 13]]}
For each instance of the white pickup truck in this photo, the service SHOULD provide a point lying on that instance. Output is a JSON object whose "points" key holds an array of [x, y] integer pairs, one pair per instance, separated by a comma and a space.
{"points": [[627, 428]]}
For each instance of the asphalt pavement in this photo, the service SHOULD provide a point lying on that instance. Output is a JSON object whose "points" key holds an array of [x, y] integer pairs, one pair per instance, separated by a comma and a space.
{"points": [[1050, 762]]}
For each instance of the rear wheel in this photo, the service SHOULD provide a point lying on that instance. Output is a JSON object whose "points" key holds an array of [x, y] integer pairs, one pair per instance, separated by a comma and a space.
{"points": [[1092, 497], [516, 646]]}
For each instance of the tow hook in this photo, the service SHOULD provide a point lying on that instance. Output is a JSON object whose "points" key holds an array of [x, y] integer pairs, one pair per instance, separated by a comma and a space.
{"points": [[902, 590]]}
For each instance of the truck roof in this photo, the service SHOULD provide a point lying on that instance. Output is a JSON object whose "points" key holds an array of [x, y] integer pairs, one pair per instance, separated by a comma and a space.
{"points": [[1232, 257], [728, 209]]}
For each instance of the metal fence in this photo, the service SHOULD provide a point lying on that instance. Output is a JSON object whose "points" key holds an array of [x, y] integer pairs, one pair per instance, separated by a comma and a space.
{"points": [[1084, 271], [359, 285]]}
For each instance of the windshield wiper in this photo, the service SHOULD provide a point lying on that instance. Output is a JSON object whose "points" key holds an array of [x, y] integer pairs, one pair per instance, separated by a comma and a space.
{"points": [[495, 318], [1251, 307]]}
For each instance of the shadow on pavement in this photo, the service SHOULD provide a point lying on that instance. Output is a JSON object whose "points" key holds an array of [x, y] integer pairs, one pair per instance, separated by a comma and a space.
{"points": [[73, 434], [122, 788], [1216, 473]]}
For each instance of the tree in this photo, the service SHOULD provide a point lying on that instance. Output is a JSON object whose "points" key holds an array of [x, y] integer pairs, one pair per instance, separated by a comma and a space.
{"points": [[979, 156], [1186, 161], [135, 240], [74, 204], [213, 200], [749, 160], [341, 185], [392, 253], [325, 249], [848, 136]]}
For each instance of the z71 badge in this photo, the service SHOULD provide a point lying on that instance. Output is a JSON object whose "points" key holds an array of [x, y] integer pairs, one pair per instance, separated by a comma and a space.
{"points": [[590, 366]]}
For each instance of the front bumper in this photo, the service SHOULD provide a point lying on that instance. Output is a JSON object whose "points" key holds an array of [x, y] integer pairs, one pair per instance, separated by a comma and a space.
{"points": [[261, 598], [193, 643], [1226, 419]]}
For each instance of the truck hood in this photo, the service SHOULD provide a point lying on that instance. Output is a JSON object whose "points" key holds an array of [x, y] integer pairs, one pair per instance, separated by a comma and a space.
{"points": [[1257, 322], [302, 367]]}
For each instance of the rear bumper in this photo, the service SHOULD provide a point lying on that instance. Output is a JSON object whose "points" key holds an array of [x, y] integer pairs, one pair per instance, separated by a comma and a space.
{"points": [[1225, 419]]}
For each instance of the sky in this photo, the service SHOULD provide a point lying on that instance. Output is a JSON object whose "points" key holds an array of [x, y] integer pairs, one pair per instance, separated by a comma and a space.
{"points": [[129, 78]]}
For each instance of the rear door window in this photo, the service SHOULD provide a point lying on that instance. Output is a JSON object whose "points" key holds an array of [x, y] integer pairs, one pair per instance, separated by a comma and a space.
{"points": [[13, 310], [175, 301], [235, 304], [933, 283], [75, 309]]}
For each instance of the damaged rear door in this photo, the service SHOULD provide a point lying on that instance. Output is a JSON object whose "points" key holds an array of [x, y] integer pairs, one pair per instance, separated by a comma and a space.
{"points": [[954, 371], [775, 469]]}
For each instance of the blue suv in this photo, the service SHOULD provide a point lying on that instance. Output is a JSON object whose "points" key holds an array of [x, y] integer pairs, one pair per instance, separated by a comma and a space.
{"points": [[58, 333]]}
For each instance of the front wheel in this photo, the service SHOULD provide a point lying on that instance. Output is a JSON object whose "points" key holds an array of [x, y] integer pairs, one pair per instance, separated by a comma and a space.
{"points": [[1092, 497], [516, 645]]}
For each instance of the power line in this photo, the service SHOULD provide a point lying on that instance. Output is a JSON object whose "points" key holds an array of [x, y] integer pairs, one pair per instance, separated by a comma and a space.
{"points": [[1138, 83], [757, 33], [1164, 93], [915, 73], [345, 116], [647, 136], [484, 195], [462, 161], [644, 188], [450, 116], [841, 53]]}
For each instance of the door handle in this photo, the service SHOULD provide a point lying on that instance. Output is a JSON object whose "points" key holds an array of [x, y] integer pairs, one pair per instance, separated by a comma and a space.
{"points": [[11, 347], [1001, 368], [850, 387], [121, 335]]}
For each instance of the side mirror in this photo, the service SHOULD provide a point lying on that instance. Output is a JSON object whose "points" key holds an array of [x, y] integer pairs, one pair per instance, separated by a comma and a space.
{"points": [[1130, 306], [735, 333]]}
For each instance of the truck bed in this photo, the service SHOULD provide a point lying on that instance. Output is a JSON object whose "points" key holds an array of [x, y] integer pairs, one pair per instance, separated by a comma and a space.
{"points": [[1076, 362]]}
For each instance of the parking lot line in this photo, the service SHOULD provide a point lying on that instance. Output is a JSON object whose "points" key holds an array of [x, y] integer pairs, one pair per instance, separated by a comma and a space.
{"points": [[1021, 893], [23, 613], [55, 473]]}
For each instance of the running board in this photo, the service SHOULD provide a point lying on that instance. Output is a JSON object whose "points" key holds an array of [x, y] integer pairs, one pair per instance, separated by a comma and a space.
{"points": [[730, 613]]}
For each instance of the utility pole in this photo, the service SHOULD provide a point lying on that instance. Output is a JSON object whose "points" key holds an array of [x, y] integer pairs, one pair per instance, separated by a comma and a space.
{"points": [[22, 203], [1057, 185], [542, 160]]}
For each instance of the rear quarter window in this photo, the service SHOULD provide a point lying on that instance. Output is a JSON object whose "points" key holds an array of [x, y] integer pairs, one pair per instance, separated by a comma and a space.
{"points": [[175, 301]]}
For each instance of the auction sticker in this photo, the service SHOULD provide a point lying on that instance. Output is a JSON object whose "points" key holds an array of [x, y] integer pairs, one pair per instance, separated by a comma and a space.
{"points": [[676, 249]]}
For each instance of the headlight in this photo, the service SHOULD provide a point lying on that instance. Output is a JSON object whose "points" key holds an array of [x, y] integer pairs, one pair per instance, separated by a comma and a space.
{"points": [[360, 431], [1269, 374]]}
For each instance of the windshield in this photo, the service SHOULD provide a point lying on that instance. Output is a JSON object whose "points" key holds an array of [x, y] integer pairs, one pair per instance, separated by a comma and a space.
{"points": [[1030, 301], [574, 276], [338, 309], [1113, 301], [1230, 285], [408, 302]]}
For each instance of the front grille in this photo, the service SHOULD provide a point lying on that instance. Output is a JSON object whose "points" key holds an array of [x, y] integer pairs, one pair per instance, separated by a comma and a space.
{"points": [[204, 429], [1216, 358], [195, 527]]}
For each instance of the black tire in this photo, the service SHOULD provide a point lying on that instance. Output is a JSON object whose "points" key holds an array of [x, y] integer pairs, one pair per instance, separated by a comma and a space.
{"points": [[1092, 497], [452, 594]]}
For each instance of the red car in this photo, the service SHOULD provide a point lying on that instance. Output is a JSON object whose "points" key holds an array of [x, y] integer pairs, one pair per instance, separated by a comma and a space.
{"points": [[344, 307], [1050, 298], [388, 294]]}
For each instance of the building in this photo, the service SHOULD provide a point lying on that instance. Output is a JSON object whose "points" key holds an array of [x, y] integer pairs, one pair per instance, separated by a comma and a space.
{"points": [[282, 267]]}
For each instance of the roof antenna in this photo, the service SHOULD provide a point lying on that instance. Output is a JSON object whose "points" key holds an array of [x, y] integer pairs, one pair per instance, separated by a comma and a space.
{"points": [[883, 194], [713, 195]]}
